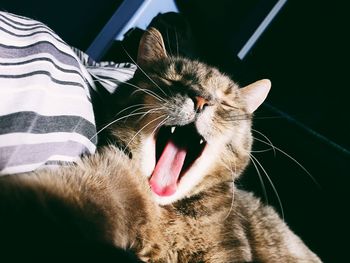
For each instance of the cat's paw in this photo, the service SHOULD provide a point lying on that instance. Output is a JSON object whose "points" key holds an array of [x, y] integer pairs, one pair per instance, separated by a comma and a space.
{"points": [[150, 253]]}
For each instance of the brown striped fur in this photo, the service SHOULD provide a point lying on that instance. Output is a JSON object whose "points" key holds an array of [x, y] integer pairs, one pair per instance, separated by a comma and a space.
{"points": [[107, 198]]}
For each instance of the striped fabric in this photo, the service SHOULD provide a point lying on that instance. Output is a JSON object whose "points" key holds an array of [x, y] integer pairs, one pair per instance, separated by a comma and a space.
{"points": [[46, 114], [108, 74]]}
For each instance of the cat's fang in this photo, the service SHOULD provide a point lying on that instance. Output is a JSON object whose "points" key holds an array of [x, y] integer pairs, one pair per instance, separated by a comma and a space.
{"points": [[172, 129], [201, 141]]}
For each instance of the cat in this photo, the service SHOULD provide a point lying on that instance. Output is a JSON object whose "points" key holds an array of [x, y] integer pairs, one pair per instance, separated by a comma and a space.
{"points": [[165, 187]]}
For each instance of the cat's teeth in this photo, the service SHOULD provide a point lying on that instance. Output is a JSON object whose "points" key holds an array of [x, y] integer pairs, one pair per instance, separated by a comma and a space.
{"points": [[172, 129], [201, 141]]}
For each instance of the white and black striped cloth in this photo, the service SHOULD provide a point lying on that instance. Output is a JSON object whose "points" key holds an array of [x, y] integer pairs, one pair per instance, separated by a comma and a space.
{"points": [[46, 114]]}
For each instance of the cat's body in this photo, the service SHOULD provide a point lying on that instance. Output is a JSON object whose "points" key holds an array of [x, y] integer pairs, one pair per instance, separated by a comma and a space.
{"points": [[102, 200], [168, 192]]}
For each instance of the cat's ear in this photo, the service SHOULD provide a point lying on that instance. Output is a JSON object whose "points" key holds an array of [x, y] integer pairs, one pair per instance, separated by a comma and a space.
{"points": [[151, 47], [254, 94]]}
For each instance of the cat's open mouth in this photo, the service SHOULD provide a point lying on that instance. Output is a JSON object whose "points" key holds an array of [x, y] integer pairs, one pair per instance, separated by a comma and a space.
{"points": [[177, 148]]}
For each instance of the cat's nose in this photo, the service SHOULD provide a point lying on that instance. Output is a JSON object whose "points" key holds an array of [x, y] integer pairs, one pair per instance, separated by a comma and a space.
{"points": [[200, 103]]}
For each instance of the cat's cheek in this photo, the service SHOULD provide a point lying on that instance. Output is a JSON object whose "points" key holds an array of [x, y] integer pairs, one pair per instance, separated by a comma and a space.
{"points": [[204, 124], [148, 153]]}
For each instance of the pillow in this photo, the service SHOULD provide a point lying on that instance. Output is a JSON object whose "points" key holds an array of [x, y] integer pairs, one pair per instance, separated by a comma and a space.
{"points": [[46, 114]]}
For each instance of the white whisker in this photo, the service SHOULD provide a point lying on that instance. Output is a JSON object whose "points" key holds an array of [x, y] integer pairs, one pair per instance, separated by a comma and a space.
{"points": [[111, 81], [124, 149], [233, 179], [160, 124], [272, 185], [114, 121], [294, 160], [149, 92], [132, 106], [138, 132], [263, 135], [260, 179], [262, 151], [127, 53], [147, 112]]}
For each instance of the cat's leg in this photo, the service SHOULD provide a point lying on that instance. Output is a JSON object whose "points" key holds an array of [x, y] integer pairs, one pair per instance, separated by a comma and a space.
{"points": [[101, 200]]}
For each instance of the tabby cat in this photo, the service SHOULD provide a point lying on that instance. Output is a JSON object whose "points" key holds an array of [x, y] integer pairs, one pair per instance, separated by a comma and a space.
{"points": [[167, 190]]}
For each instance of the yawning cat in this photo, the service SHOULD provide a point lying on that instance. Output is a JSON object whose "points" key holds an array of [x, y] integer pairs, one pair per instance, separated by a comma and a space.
{"points": [[167, 191]]}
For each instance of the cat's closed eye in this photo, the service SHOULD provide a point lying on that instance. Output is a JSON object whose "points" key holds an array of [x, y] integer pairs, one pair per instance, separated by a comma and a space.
{"points": [[228, 105]]}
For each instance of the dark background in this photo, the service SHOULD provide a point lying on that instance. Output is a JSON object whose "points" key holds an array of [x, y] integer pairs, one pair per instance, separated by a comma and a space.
{"points": [[305, 53]]}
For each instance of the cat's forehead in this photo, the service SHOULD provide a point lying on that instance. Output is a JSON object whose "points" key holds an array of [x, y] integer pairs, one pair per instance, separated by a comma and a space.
{"points": [[200, 76]]}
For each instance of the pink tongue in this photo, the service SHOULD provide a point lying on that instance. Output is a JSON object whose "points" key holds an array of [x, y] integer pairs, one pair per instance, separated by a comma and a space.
{"points": [[167, 171]]}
